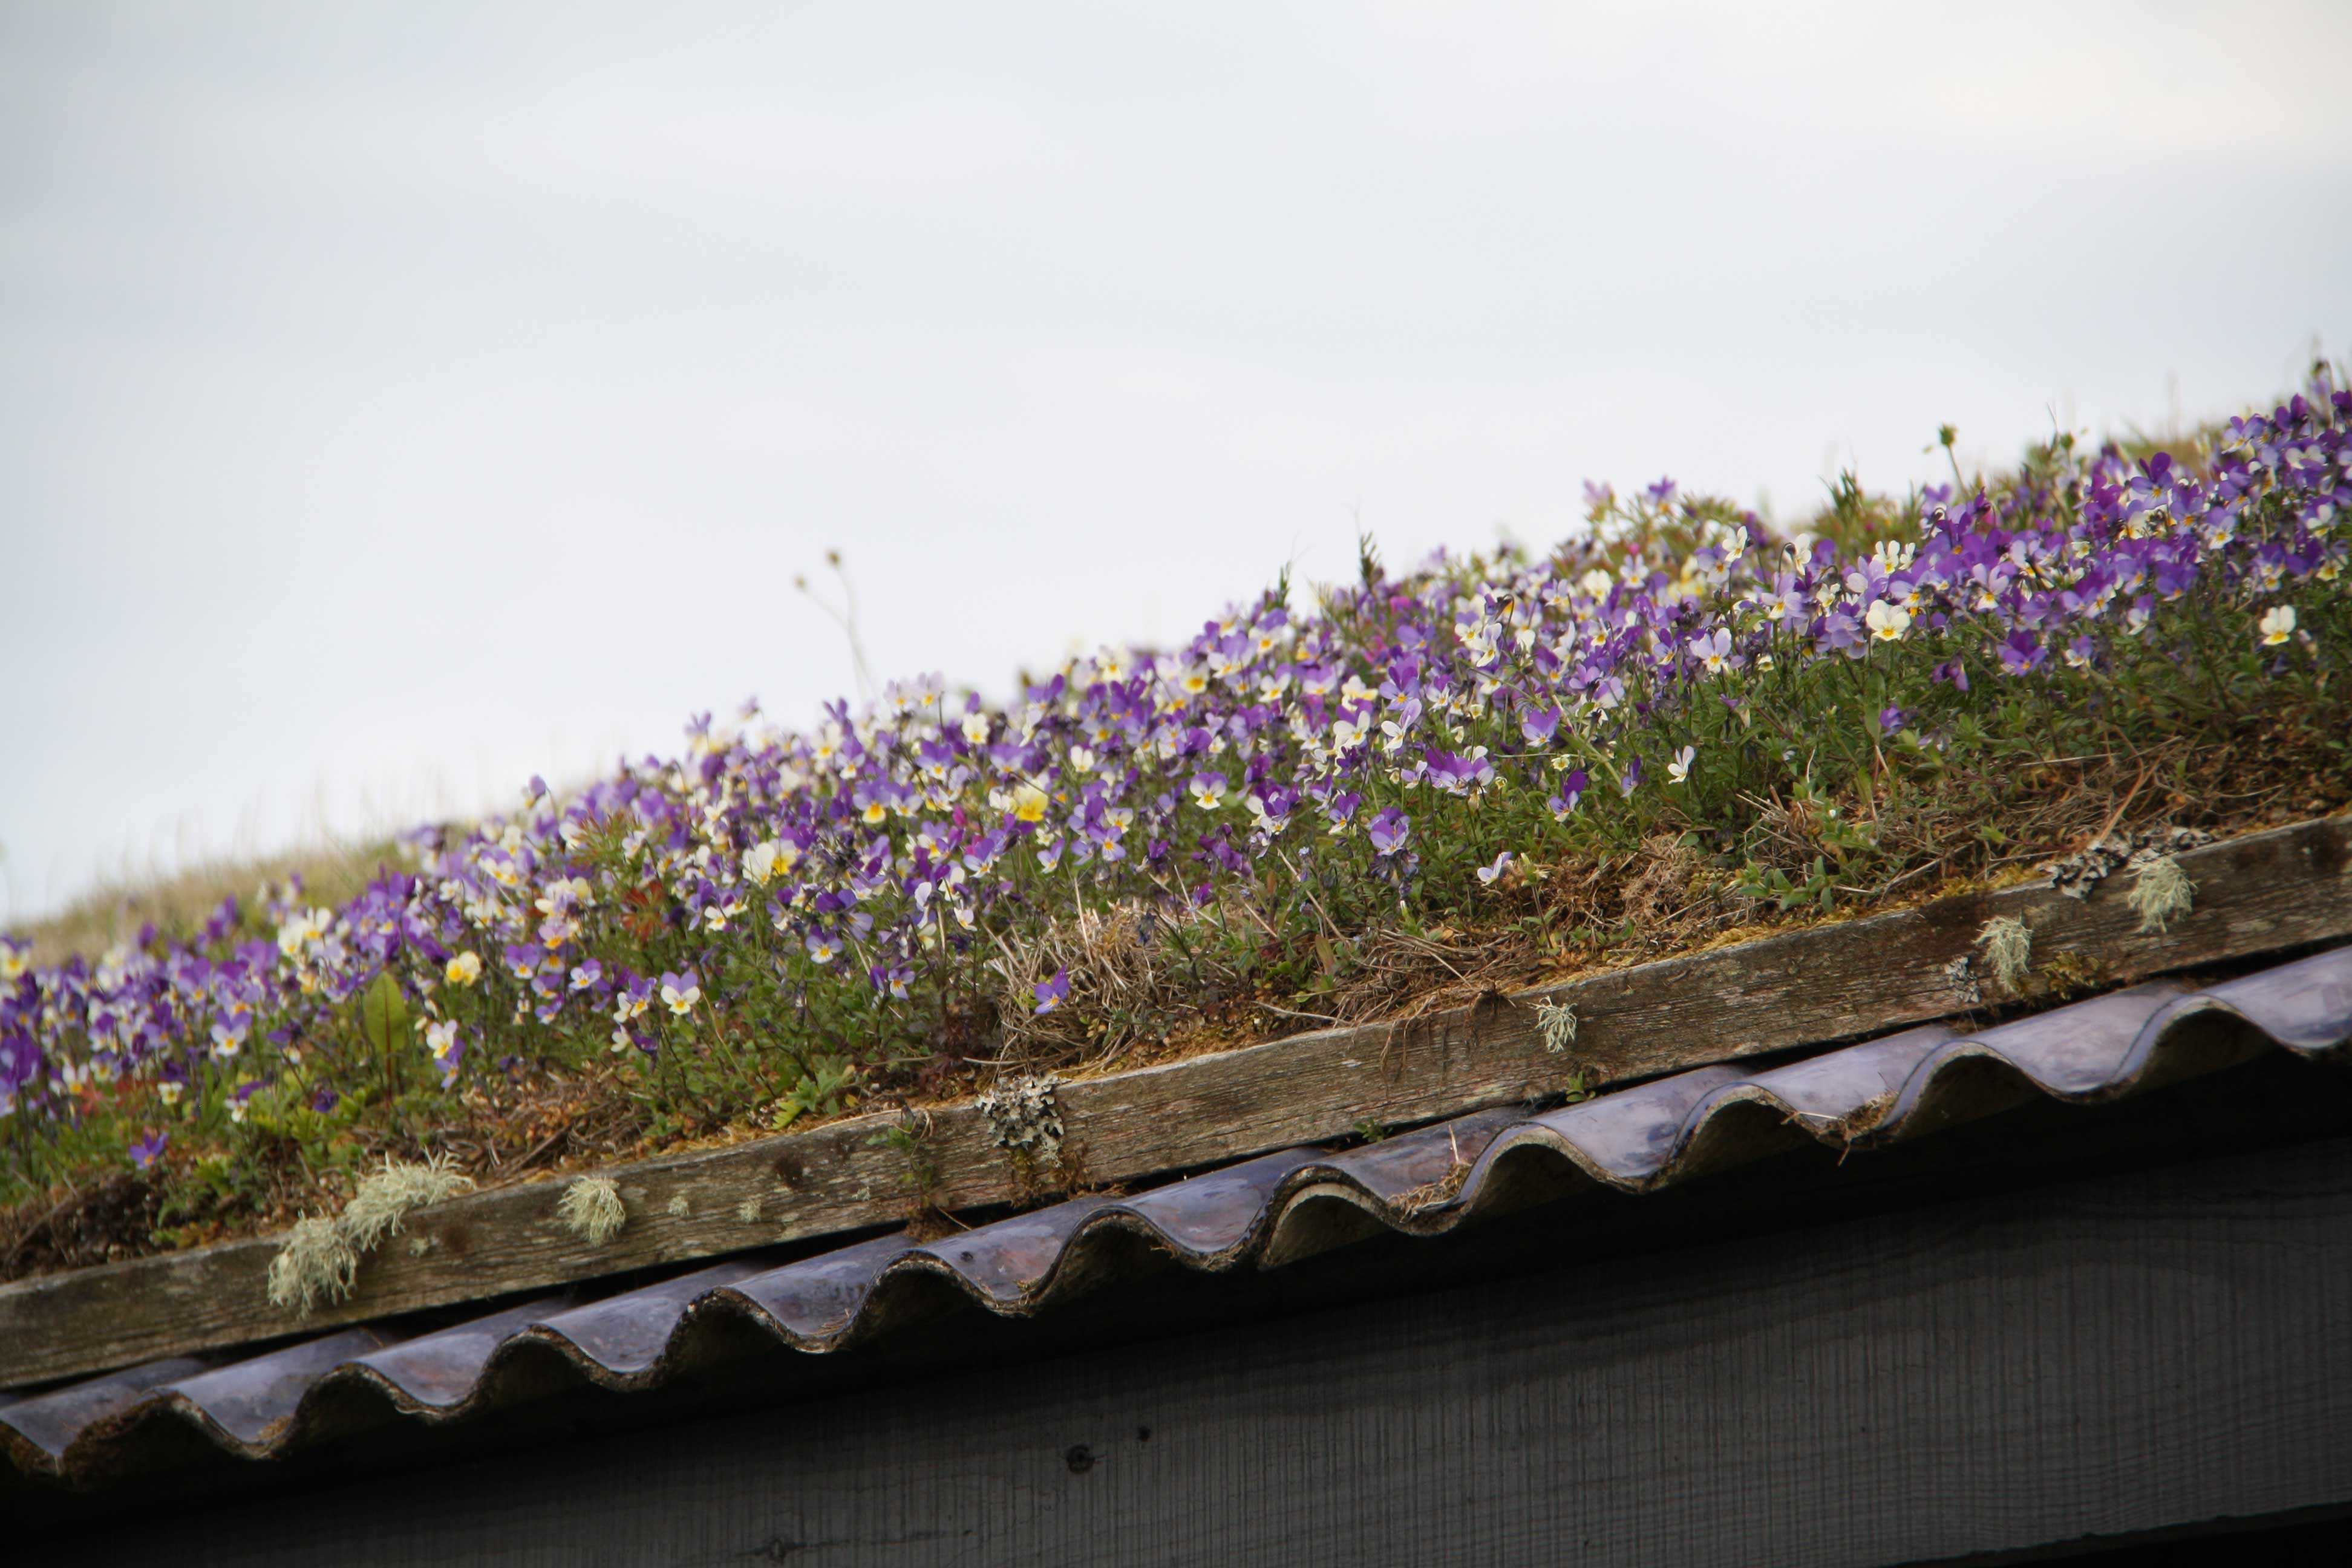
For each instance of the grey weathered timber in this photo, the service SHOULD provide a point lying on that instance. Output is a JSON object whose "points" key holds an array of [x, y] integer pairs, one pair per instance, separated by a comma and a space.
{"points": [[2130, 1352], [2262, 893]]}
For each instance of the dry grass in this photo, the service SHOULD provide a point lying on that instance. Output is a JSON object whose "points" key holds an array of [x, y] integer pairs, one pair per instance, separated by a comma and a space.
{"points": [[114, 911]]}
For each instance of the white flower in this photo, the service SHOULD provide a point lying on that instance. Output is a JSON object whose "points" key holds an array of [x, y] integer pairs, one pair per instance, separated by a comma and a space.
{"points": [[1888, 622], [441, 1039], [308, 926], [1488, 873], [763, 863], [1678, 771], [2278, 624]]}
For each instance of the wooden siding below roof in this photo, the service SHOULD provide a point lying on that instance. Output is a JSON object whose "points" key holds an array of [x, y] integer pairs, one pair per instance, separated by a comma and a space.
{"points": [[2134, 1351]]}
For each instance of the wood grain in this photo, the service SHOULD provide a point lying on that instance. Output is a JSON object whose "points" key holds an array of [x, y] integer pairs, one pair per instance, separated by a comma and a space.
{"points": [[2262, 893], [2137, 1351]]}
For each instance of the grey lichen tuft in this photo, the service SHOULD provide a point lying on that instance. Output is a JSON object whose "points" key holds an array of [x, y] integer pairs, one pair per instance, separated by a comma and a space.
{"points": [[320, 1258], [677, 1207], [1023, 1116], [1557, 1021], [386, 1198], [315, 1261], [2008, 948], [2160, 893], [748, 1211], [591, 1209]]}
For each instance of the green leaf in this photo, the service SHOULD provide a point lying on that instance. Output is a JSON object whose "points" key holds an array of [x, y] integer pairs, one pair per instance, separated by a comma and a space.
{"points": [[383, 1015]]}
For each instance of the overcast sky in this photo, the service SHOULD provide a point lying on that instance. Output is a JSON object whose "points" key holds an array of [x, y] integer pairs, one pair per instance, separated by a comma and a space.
{"points": [[397, 401]]}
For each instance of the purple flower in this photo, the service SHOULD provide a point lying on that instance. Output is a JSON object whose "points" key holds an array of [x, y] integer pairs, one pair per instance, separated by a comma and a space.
{"points": [[1050, 993], [1389, 830], [1489, 873], [1571, 790], [2022, 653], [1460, 774], [143, 1152], [1891, 718]]}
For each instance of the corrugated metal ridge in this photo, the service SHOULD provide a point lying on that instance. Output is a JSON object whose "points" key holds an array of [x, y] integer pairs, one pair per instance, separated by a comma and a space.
{"points": [[1266, 1210]]}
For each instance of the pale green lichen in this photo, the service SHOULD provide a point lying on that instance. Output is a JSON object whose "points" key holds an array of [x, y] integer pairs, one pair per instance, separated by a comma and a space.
{"points": [[2160, 893], [2008, 948], [748, 1211], [320, 1258], [316, 1260], [677, 1207], [1557, 1020], [590, 1208], [386, 1196]]}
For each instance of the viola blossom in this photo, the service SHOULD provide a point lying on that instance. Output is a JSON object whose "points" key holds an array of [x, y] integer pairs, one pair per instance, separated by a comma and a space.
{"points": [[448, 1049], [2277, 625], [2022, 653], [1891, 720], [1713, 650], [1052, 993], [1678, 771], [1887, 621], [1492, 872], [463, 968], [1389, 831], [1208, 791], [1459, 775], [147, 1149], [635, 996], [679, 993], [1562, 801]]}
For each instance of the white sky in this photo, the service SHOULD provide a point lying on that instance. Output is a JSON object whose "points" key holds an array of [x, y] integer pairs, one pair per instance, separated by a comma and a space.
{"points": [[396, 401]]}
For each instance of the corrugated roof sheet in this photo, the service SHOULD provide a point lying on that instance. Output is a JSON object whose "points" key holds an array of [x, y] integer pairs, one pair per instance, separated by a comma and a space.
{"points": [[1264, 1212]]}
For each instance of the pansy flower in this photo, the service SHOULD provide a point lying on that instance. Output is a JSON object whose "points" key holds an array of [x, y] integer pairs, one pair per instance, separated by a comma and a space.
{"points": [[680, 992], [1052, 993]]}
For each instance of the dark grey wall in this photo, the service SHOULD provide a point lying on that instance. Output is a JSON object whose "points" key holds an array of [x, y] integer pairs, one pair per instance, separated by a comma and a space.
{"points": [[2107, 1355]]}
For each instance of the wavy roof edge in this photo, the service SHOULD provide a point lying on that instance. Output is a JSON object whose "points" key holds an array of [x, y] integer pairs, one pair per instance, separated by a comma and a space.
{"points": [[1264, 1212]]}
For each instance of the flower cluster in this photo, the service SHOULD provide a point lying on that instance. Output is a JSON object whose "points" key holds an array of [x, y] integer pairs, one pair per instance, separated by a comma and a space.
{"points": [[776, 903]]}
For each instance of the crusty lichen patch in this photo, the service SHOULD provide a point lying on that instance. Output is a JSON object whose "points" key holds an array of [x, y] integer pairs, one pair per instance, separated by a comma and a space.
{"points": [[1023, 1115], [590, 1208], [2077, 874]]}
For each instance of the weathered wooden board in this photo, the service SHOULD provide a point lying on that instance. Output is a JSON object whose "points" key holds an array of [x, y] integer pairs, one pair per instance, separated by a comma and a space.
{"points": [[2137, 1351], [2259, 894]]}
